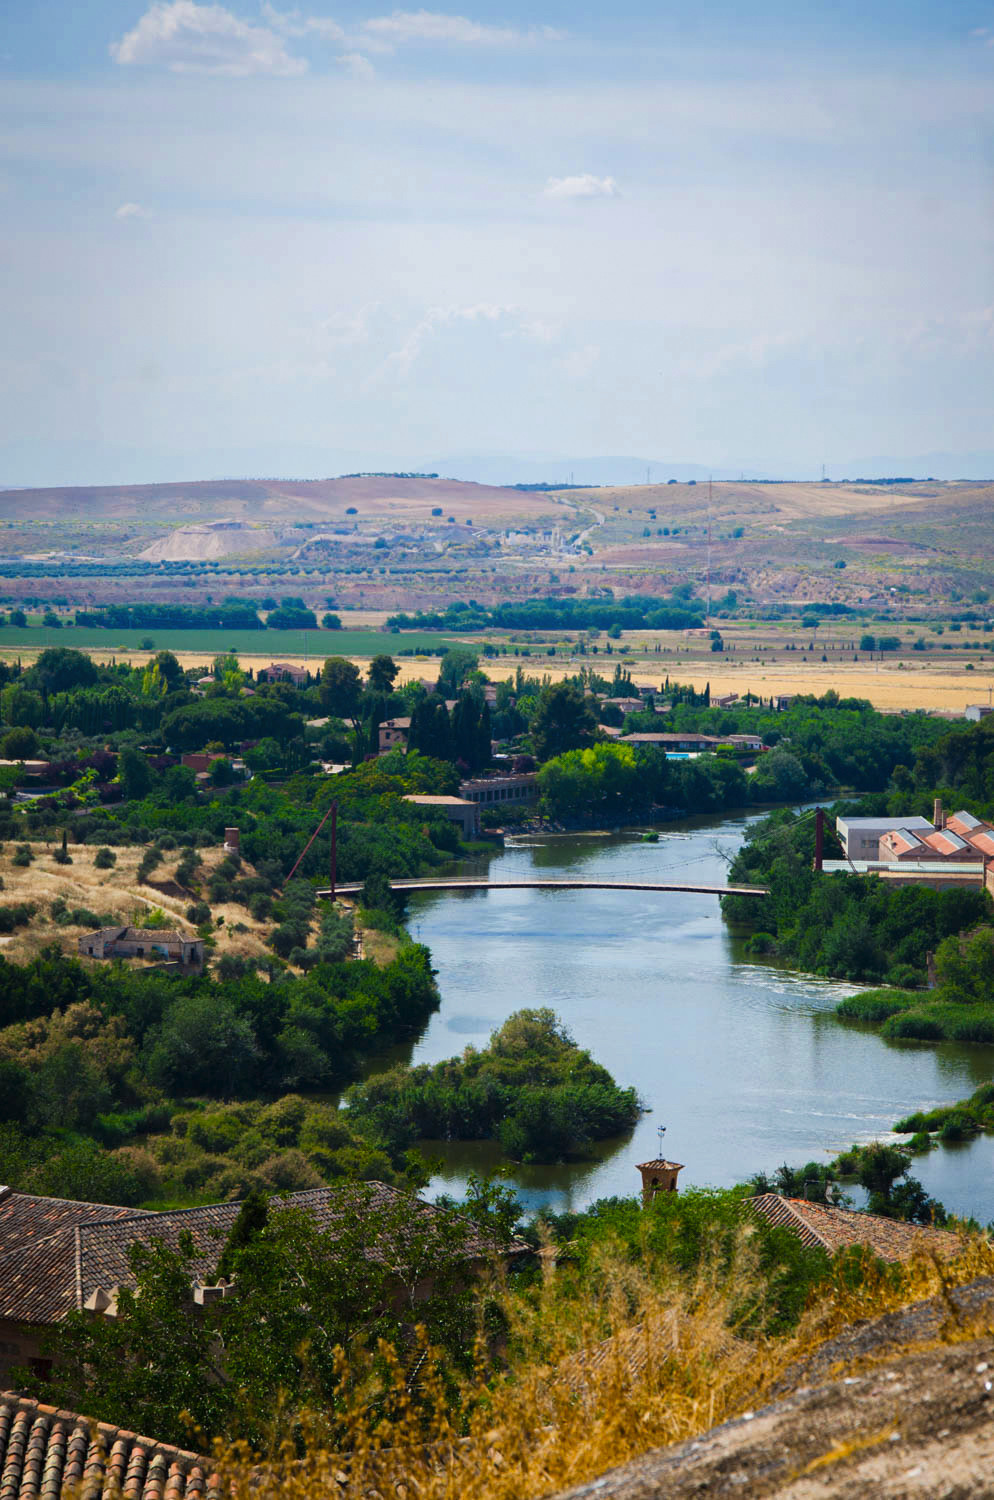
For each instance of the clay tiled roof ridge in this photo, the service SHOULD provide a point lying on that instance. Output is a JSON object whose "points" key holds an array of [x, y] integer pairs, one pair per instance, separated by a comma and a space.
{"points": [[837, 1228], [782, 1214], [46, 1450]]}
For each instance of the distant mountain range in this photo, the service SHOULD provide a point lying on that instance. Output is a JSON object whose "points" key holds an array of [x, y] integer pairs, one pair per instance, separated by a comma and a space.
{"points": [[35, 464], [536, 469]]}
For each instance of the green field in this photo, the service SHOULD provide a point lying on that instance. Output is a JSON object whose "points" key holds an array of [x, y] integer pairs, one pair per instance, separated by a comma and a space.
{"points": [[316, 643]]}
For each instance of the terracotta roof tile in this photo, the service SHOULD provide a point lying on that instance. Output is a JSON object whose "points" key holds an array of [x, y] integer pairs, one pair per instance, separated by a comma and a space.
{"points": [[46, 1452], [818, 1225], [43, 1279]]}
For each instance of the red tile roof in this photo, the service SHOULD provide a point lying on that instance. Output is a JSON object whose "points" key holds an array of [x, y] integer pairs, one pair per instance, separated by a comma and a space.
{"points": [[48, 1452], [819, 1226], [45, 1277]]}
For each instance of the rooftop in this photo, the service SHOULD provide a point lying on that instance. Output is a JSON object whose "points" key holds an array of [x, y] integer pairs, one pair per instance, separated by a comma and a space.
{"points": [[819, 1226], [55, 1254], [426, 801], [933, 869], [43, 1449], [885, 824]]}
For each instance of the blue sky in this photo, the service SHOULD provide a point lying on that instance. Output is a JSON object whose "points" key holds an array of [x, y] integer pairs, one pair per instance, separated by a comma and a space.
{"points": [[247, 239]]}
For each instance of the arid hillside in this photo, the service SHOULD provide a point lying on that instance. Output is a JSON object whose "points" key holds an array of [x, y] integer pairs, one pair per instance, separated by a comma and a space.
{"points": [[273, 500], [393, 543]]}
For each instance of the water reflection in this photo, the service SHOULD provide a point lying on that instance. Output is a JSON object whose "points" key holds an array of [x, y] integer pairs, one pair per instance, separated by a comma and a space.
{"points": [[744, 1062]]}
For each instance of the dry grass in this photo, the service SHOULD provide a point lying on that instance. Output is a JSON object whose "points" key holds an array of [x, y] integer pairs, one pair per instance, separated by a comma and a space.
{"points": [[663, 1363], [115, 892], [381, 947]]}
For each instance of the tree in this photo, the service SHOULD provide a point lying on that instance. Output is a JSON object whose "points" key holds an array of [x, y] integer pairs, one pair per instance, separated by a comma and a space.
{"points": [[341, 688], [779, 777], [382, 673], [135, 774], [563, 720], [222, 772], [61, 668], [456, 665], [204, 1047], [867, 642], [19, 744], [304, 1292], [19, 705], [430, 731], [169, 669]]}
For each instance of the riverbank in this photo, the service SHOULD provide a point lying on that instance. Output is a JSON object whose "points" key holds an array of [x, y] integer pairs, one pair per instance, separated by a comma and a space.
{"points": [[741, 1059]]}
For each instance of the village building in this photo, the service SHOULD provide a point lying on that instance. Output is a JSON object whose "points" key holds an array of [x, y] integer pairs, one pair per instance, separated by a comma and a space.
{"points": [[393, 734], [176, 948], [459, 809], [283, 671], [957, 850], [626, 705], [489, 791], [679, 744], [823, 1227], [58, 1256], [860, 837], [27, 767], [977, 711]]}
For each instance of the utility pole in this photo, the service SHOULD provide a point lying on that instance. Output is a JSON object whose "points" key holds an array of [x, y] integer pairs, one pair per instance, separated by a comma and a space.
{"points": [[334, 846], [708, 621]]}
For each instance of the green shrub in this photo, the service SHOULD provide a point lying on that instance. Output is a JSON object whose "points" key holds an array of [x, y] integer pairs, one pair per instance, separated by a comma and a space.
{"points": [[874, 1006], [104, 859]]}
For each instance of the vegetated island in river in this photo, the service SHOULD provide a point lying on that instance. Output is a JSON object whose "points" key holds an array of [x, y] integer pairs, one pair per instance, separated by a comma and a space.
{"points": [[543, 1098]]}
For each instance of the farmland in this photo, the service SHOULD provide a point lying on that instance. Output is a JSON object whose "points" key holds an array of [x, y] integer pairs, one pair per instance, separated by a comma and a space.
{"points": [[274, 645]]}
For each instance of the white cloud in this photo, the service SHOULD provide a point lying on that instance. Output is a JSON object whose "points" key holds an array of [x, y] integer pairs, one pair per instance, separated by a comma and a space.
{"points": [[583, 186], [293, 23], [401, 360], [358, 65], [131, 211], [189, 38], [433, 26]]}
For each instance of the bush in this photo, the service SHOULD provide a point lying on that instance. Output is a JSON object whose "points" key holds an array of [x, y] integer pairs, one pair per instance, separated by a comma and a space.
{"points": [[104, 859], [199, 913], [874, 1006], [23, 856]]}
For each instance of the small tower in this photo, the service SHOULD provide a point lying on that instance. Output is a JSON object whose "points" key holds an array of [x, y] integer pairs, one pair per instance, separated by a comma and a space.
{"points": [[658, 1176]]}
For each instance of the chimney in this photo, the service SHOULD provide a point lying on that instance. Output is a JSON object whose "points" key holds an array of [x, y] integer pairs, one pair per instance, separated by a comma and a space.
{"points": [[231, 838], [938, 816]]}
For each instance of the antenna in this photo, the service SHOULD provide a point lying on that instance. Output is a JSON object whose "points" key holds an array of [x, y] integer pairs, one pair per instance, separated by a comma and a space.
{"points": [[648, 471]]}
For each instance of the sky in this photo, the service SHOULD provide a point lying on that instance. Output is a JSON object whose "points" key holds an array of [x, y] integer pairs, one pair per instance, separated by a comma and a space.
{"points": [[249, 240]]}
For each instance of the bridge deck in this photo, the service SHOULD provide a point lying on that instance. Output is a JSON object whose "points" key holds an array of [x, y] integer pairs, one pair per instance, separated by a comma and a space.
{"points": [[558, 885]]}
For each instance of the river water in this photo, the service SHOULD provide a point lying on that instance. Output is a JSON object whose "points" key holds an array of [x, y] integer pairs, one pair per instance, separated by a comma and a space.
{"points": [[744, 1063]]}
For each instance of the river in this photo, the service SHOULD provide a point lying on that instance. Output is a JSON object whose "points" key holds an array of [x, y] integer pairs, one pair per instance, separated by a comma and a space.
{"points": [[744, 1063]]}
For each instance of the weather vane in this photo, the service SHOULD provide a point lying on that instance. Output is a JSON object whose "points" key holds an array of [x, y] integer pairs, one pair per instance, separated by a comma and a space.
{"points": [[660, 1131]]}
